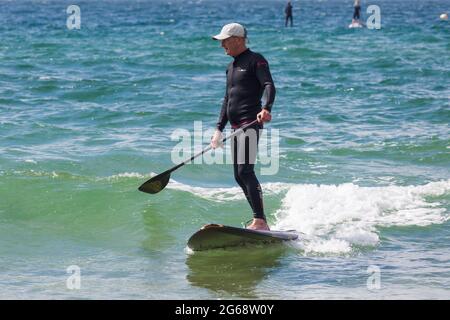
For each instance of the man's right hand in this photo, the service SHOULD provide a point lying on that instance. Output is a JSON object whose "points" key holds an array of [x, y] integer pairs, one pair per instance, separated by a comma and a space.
{"points": [[216, 140]]}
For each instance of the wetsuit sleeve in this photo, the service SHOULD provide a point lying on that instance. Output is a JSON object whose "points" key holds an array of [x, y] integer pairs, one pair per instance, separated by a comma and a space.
{"points": [[265, 79], [223, 117]]}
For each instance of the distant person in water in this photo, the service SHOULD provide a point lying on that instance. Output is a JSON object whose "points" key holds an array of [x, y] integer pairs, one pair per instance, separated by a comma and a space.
{"points": [[288, 13], [356, 11]]}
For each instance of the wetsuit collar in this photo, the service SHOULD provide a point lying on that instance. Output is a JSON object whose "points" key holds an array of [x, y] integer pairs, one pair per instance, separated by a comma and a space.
{"points": [[242, 54]]}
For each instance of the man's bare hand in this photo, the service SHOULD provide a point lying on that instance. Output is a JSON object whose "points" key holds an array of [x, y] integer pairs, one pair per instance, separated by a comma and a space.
{"points": [[216, 140], [264, 116]]}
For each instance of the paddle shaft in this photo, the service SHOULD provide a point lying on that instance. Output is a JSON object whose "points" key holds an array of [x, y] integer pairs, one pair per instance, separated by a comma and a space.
{"points": [[209, 147]]}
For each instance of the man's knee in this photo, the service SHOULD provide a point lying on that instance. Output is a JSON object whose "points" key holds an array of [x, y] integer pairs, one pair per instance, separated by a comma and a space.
{"points": [[244, 172]]}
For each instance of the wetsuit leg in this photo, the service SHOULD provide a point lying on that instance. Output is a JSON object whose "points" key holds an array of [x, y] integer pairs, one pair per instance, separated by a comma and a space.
{"points": [[242, 185], [236, 172], [356, 13], [288, 18], [245, 175]]}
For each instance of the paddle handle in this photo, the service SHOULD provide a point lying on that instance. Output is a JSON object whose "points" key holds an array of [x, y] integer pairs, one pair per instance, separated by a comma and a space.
{"points": [[241, 129]]}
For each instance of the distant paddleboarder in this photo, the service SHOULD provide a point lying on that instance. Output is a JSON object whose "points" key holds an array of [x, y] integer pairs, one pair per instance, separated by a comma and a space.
{"points": [[248, 77], [288, 14], [357, 10], [356, 23]]}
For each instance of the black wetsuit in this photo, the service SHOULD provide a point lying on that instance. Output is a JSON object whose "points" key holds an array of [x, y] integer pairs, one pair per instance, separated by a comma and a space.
{"points": [[288, 12], [248, 77], [356, 12]]}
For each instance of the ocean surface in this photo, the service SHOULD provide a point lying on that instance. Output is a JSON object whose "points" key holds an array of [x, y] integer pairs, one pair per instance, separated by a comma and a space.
{"points": [[87, 115]]}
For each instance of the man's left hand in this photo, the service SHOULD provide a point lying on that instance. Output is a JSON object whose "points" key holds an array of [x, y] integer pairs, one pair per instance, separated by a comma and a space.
{"points": [[264, 116]]}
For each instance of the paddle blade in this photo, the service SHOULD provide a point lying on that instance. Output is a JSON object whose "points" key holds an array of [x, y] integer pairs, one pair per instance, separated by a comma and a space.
{"points": [[155, 184]]}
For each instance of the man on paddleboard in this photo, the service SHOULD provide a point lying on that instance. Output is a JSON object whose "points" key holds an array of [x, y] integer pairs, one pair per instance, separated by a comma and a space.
{"points": [[356, 11], [248, 77], [288, 14]]}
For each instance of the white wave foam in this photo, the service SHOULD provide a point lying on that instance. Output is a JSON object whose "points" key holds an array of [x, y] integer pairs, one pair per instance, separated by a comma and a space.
{"points": [[213, 194], [226, 194], [335, 218], [34, 173], [128, 175]]}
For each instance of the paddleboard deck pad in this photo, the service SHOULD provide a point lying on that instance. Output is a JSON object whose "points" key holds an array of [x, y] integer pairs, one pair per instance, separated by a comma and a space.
{"points": [[214, 236]]}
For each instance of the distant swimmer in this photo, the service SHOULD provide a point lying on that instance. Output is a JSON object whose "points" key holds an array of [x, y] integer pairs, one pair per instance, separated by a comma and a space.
{"points": [[444, 16], [288, 13]]}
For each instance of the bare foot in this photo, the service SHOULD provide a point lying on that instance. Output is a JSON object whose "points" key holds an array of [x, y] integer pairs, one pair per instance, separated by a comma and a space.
{"points": [[258, 224]]}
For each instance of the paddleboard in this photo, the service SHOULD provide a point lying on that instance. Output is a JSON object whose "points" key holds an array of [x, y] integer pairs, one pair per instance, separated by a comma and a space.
{"points": [[355, 25], [214, 236]]}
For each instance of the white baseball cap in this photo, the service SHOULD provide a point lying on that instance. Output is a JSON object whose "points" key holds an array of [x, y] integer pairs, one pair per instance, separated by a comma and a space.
{"points": [[230, 30]]}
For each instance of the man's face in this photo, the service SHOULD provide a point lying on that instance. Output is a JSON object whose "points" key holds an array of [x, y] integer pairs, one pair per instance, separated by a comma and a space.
{"points": [[232, 45]]}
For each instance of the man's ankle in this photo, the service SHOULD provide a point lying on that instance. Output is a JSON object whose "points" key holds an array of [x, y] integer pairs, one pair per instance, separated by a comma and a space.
{"points": [[259, 224]]}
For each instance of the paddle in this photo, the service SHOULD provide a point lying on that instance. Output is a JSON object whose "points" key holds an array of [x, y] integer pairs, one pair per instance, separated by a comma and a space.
{"points": [[159, 182]]}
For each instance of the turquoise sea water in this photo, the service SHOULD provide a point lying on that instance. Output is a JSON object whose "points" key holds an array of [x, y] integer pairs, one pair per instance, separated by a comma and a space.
{"points": [[87, 115]]}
